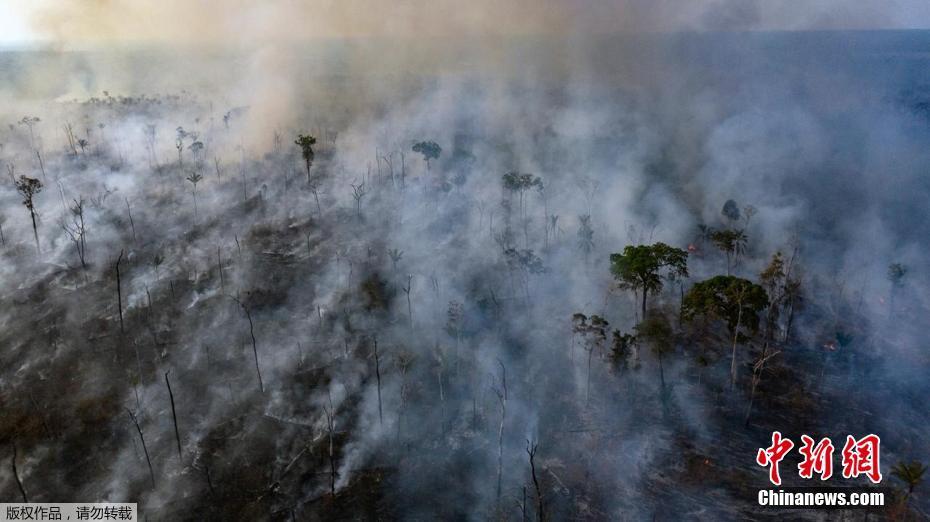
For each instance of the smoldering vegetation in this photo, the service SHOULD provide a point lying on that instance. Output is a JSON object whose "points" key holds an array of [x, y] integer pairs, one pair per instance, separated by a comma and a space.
{"points": [[416, 313]]}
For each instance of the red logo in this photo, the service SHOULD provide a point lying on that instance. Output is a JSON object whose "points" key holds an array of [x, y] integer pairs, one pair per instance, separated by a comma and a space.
{"points": [[859, 457], [774, 454], [816, 458]]}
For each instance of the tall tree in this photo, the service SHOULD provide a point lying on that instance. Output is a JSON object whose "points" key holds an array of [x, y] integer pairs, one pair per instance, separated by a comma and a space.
{"points": [[429, 149], [638, 267], [195, 178], [76, 229], [733, 300], [585, 235], [656, 331], [306, 143], [28, 188], [730, 210], [730, 242], [517, 183]]}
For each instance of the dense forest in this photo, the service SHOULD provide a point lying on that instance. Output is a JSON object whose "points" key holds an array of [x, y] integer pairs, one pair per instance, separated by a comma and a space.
{"points": [[467, 293]]}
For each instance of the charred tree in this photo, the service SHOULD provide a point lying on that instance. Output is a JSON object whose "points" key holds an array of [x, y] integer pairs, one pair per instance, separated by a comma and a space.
{"points": [[174, 415], [144, 447], [28, 188], [531, 452], [19, 482], [119, 292], [248, 315]]}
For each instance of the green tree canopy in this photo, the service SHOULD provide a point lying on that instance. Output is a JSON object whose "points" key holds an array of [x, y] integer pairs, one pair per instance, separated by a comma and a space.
{"points": [[306, 143], [517, 182], [429, 149], [911, 473], [896, 273], [731, 299], [638, 267]]}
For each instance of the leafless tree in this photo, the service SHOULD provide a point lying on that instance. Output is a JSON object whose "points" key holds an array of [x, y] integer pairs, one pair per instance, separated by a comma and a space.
{"points": [[174, 415], [19, 482], [757, 370], [248, 315], [331, 430], [72, 142], [501, 391], [41, 165], [378, 376], [404, 360], [314, 187], [119, 292], [531, 452], [30, 122], [76, 229], [407, 289], [132, 224], [144, 448], [358, 192], [219, 268], [395, 255]]}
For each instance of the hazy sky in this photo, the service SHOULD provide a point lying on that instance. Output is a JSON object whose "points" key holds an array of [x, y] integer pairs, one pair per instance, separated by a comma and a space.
{"points": [[239, 22]]}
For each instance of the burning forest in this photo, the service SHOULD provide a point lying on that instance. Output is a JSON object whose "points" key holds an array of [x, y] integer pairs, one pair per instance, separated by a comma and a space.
{"points": [[404, 267]]}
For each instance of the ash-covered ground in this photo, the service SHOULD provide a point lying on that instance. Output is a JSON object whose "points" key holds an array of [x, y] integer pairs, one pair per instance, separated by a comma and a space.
{"points": [[201, 317]]}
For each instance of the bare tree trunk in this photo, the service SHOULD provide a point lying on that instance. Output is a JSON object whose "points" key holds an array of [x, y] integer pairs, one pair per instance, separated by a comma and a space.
{"points": [[119, 293], [316, 196], [378, 375], [132, 224], [174, 416], [403, 171], [531, 451], [661, 371], [258, 370], [587, 392], [409, 306], [502, 398], [19, 482], [739, 319], [206, 471], [248, 315], [41, 166], [35, 230], [403, 404], [756, 377], [219, 267], [789, 322], [144, 448], [331, 428]]}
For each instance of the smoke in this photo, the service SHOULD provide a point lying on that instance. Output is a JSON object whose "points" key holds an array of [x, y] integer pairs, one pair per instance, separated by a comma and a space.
{"points": [[648, 134]]}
